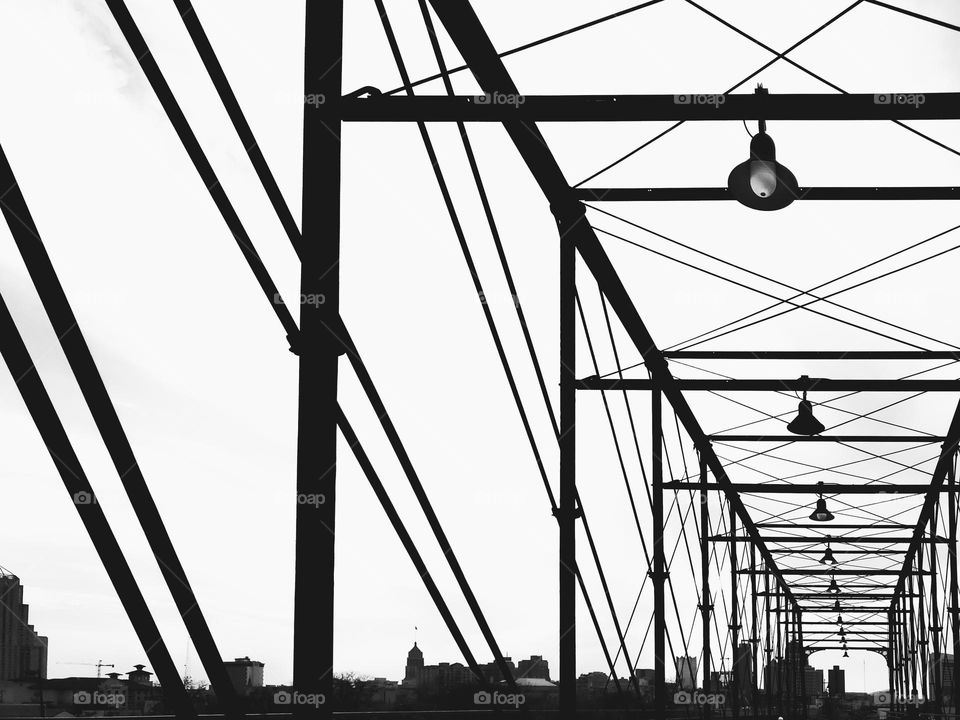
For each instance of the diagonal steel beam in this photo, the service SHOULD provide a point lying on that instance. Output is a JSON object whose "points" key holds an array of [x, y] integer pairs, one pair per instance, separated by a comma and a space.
{"points": [[468, 34], [947, 452], [55, 438], [29, 242], [409, 545]]}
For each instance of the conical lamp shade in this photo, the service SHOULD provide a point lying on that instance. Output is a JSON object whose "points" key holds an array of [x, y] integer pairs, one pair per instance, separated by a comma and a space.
{"points": [[761, 182], [828, 558], [805, 423], [820, 512]]}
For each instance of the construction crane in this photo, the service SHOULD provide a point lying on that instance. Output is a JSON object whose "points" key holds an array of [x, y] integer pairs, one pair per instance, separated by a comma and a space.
{"points": [[99, 665]]}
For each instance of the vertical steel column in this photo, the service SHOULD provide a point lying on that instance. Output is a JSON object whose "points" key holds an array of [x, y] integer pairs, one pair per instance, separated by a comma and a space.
{"points": [[901, 653], [802, 661], [568, 457], [922, 621], [754, 638], [936, 681], [954, 594], [912, 654], [788, 663], [780, 657], [890, 655], [319, 350], [734, 617], [659, 561], [898, 648], [705, 604], [768, 648], [904, 649]]}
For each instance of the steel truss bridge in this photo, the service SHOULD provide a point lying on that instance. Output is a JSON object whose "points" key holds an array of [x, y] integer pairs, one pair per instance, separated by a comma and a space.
{"points": [[775, 598]]}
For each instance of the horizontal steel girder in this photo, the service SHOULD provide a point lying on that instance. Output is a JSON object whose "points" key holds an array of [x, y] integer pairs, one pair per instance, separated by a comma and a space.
{"points": [[693, 194], [837, 572], [860, 595], [813, 354], [509, 106], [775, 385], [829, 438], [791, 551], [812, 489], [834, 526], [820, 590], [813, 610], [830, 596], [833, 539]]}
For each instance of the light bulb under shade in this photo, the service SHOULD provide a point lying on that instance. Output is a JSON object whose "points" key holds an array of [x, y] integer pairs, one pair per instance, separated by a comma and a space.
{"points": [[828, 558], [834, 588], [763, 178]]}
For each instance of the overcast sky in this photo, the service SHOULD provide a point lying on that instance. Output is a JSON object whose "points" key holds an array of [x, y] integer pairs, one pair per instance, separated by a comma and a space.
{"points": [[200, 372]]}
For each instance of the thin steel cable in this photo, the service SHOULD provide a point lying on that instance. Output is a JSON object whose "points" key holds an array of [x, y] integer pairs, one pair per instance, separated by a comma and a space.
{"points": [[749, 77], [822, 285], [529, 45], [731, 281], [767, 278]]}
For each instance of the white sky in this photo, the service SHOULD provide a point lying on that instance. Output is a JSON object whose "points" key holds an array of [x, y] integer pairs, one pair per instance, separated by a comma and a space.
{"points": [[194, 358]]}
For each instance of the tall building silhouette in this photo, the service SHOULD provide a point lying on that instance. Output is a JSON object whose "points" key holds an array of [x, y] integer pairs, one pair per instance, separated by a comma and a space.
{"points": [[743, 660], [686, 668], [23, 653], [940, 674], [836, 678], [414, 669]]}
